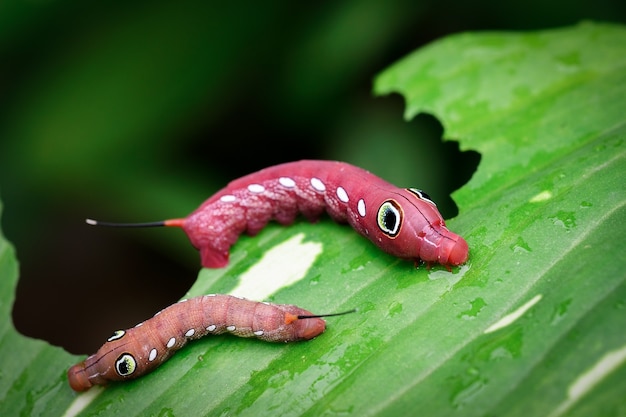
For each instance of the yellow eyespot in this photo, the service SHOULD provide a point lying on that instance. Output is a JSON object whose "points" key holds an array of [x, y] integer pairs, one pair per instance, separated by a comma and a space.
{"points": [[118, 334], [125, 365]]}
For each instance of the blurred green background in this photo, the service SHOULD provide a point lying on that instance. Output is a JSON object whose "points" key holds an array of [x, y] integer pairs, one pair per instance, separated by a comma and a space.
{"points": [[138, 111]]}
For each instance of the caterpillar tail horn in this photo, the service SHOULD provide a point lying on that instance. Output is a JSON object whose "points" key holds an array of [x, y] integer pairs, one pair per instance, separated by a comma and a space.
{"points": [[315, 316], [162, 223]]}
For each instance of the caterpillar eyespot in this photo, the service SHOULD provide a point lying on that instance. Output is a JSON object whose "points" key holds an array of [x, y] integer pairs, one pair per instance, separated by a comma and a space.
{"points": [[390, 218], [125, 365], [116, 335], [422, 195], [403, 222], [132, 353]]}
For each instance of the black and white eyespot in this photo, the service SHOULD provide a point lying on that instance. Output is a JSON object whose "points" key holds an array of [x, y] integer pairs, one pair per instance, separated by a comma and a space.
{"points": [[421, 195], [118, 334], [389, 218], [125, 365]]}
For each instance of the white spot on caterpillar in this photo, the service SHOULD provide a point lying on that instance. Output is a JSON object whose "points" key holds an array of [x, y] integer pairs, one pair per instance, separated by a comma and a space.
{"points": [[183, 300], [211, 328], [592, 377], [342, 194], [275, 271], [361, 207], [211, 295], [230, 328], [171, 342], [153, 355], [256, 188], [259, 333], [190, 332], [139, 324], [287, 182], [318, 184], [512, 317], [228, 198]]}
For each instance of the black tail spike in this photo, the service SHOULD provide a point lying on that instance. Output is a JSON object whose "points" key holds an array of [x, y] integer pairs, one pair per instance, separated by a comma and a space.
{"points": [[162, 223], [315, 316]]}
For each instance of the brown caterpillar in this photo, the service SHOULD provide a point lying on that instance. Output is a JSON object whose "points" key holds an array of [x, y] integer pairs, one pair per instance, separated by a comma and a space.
{"points": [[131, 353]]}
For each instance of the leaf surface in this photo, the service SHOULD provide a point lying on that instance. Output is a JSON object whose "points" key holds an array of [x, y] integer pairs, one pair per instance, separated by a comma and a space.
{"points": [[533, 324]]}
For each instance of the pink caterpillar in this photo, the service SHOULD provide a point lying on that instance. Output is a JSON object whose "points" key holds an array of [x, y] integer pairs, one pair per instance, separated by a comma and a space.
{"points": [[403, 222], [129, 354]]}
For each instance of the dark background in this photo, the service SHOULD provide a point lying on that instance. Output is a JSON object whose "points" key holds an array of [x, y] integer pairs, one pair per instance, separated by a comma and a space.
{"points": [[140, 111]]}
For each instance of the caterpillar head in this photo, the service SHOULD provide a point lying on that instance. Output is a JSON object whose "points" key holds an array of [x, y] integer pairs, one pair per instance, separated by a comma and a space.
{"points": [[77, 378], [414, 229]]}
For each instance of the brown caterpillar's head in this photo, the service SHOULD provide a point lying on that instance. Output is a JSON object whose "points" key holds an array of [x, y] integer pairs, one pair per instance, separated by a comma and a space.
{"points": [[77, 378]]}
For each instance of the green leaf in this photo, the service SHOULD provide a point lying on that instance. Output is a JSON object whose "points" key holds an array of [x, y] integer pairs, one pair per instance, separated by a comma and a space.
{"points": [[32, 372], [532, 325]]}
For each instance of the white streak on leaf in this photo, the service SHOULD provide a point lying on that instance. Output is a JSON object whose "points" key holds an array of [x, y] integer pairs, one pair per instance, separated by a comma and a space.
{"points": [[512, 317], [542, 196], [83, 400], [281, 266], [592, 377]]}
